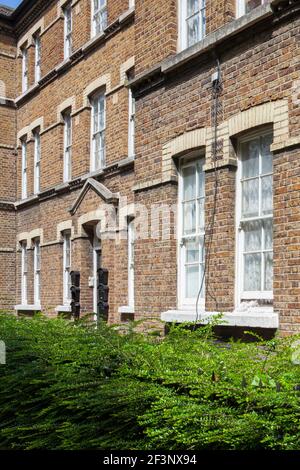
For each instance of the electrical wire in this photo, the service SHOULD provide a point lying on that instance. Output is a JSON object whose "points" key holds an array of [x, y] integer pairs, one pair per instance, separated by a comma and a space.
{"points": [[216, 90]]}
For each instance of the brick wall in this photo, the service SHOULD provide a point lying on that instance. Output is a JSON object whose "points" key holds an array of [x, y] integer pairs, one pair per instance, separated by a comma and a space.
{"points": [[258, 67]]}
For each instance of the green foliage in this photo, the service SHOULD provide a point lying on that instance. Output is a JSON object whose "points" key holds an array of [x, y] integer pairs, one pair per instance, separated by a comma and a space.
{"points": [[71, 386]]}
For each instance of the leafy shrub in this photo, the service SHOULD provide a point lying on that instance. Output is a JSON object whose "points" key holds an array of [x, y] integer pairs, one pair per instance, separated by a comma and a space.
{"points": [[71, 386]]}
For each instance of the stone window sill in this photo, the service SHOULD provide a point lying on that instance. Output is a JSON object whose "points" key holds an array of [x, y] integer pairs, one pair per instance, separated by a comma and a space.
{"points": [[263, 317], [63, 309], [126, 309], [28, 308]]}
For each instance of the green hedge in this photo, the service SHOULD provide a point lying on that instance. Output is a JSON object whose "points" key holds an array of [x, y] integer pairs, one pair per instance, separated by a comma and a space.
{"points": [[70, 387]]}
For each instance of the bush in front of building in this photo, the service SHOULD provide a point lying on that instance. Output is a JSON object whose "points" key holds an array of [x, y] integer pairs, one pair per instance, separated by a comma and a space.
{"points": [[72, 386]]}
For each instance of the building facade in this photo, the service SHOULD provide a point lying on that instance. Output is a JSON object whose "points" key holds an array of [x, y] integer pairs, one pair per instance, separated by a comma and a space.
{"points": [[157, 140]]}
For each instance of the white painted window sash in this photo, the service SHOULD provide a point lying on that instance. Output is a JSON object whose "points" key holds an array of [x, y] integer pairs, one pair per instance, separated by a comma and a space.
{"points": [[24, 168], [68, 31], [99, 16], [243, 223], [98, 132], [24, 69], [131, 3], [197, 236], [37, 161], [241, 7], [24, 270], [67, 268], [185, 18], [131, 239], [67, 147], [37, 273], [37, 63], [131, 125]]}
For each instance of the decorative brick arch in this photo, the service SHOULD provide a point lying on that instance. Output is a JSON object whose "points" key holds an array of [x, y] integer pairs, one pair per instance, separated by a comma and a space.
{"points": [[188, 141], [94, 216], [276, 112], [103, 81]]}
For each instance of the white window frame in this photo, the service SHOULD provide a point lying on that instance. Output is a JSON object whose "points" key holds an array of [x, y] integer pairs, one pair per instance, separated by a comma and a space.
{"points": [[67, 146], [241, 295], [131, 124], [131, 265], [99, 17], [24, 273], [68, 26], [131, 3], [24, 167], [24, 69], [37, 271], [241, 7], [67, 245], [98, 132], [37, 59], [185, 303], [37, 161], [183, 19]]}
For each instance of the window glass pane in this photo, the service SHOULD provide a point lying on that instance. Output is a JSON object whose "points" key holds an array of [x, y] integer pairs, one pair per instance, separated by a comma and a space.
{"points": [[250, 198], [252, 237], [267, 195], [189, 218], [266, 154], [202, 250], [201, 216], [192, 281], [268, 271], [96, 128], [193, 30], [192, 252], [251, 4], [250, 158], [189, 183], [201, 181], [201, 281], [104, 19], [192, 7], [268, 233], [252, 272]]}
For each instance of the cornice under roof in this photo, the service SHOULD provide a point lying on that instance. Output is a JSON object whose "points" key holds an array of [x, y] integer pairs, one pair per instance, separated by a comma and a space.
{"points": [[5, 11], [24, 15]]}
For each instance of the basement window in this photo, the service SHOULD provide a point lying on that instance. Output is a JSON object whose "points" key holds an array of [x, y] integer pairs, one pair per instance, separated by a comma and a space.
{"points": [[255, 218], [245, 6], [37, 272], [131, 239], [67, 268], [24, 271], [192, 22], [192, 233]]}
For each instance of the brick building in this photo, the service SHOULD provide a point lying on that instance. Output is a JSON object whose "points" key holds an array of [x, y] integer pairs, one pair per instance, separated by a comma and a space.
{"points": [[159, 140]]}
